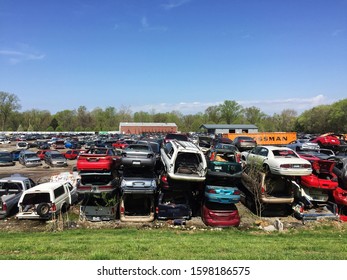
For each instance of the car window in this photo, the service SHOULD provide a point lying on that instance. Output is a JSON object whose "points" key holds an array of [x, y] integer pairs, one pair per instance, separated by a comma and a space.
{"points": [[59, 191], [284, 153], [263, 152], [36, 198]]}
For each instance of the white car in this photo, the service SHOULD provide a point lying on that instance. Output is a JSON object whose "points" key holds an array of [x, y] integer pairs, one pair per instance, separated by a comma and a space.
{"points": [[46, 201], [278, 161], [183, 160]]}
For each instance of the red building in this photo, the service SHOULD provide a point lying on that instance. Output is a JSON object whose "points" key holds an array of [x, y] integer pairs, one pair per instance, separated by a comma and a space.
{"points": [[140, 128]]}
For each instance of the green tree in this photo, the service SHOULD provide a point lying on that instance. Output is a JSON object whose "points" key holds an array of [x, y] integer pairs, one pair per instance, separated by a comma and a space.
{"points": [[8, 103], [213, 114], [338, 116], [253, 115], [230, 111], [66, 120], [54, 124]]}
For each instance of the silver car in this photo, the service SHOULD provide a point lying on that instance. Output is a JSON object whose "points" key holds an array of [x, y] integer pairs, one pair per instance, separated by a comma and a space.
{"points": [[302, 145], [55, 159]]}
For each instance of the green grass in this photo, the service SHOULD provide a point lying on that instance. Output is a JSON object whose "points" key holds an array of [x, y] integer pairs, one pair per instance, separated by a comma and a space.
{"points": [[316, 243]]}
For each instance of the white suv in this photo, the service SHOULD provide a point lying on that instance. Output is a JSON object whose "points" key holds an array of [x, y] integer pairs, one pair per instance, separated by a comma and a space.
{"points": [[183, 160], [46, 200]]}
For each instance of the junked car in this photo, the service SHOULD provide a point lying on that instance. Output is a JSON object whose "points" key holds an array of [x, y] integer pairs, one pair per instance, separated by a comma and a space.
{"points": [[29, 158], [46, 201], [11, 189], [183, 160], [319, 185], [275, 160], [98, 159], [244, 143], [220, 214], [96, 182], [263, 190], [222, 194], [97, 207], [55, 159], [224, 162], [138, 155], [6, 159], [302, 145], [173, 205]]}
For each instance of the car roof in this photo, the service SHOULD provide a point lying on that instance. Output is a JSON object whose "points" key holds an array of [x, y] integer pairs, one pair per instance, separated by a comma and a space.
{"points": [[46, 186], [17, 177]]}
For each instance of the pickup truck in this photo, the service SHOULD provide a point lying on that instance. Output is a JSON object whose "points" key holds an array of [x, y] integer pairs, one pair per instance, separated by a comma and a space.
{"points": [[96, 207], [224, 163], [11, 189]]}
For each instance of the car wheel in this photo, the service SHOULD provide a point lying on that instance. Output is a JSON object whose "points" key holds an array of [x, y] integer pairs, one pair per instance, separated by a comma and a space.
{"points": [[266, 170], [43, 210]]}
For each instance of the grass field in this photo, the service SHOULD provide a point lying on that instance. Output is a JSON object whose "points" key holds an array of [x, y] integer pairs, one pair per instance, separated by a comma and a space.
{"points": [[319, 242]]}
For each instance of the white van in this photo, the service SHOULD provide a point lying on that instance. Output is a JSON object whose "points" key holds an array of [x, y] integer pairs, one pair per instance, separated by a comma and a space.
{"points": [[46, 200]]}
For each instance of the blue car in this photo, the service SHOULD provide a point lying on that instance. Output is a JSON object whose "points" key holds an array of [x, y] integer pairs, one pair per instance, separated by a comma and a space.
{"points": [[15, 154], [222, 194]]}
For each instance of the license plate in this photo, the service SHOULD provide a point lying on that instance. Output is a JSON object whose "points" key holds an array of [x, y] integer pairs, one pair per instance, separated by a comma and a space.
{"points": [[296, 165], [218, 168], [96, 219], [136, 162]]}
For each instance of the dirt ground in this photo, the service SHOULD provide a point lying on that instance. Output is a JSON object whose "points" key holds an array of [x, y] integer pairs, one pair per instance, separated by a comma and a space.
{"points": [[44, 172]]}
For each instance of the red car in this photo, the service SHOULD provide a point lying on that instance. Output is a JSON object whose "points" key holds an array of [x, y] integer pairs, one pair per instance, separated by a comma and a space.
{"points": [[219, 214], [121, 144], [322, 182], [326, 141], [72, 154], [104, 159], [41, 154]]}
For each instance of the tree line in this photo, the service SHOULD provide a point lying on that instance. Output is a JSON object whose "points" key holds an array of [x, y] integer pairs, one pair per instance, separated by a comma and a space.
{"points": [[319, 119]]}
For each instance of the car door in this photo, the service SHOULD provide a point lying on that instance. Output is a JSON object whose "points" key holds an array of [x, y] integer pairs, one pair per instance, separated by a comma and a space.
{"points": [[258, 155]]}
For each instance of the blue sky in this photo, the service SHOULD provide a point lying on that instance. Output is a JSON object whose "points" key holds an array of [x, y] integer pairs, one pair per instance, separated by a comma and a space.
{"points": [[164, 55]]}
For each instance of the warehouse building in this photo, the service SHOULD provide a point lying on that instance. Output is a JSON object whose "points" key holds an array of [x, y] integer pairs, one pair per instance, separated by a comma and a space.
{"points": [[140, 128]]}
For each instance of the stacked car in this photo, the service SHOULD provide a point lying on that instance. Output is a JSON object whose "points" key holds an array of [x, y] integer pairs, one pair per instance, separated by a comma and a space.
{"points": [[138, 183], [182, 178], [98, 187], [221, 192]]}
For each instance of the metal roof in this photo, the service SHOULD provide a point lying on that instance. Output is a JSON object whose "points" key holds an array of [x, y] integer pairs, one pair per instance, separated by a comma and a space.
{"points": [[228, 126], [145, 124]]}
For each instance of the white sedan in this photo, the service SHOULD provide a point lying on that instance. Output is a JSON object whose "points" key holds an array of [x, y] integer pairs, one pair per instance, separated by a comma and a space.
{"points": [[278, 161]]}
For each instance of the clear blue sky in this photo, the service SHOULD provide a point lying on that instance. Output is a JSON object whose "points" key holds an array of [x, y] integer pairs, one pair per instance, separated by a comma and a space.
{"points": [[164, 55]]}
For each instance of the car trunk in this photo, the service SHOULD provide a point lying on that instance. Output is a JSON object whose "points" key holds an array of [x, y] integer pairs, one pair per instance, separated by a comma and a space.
{"points": [[135, 207]]}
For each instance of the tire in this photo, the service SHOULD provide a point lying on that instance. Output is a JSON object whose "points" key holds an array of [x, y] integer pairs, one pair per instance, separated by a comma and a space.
{"points": [[266, 169], [43, 210]]}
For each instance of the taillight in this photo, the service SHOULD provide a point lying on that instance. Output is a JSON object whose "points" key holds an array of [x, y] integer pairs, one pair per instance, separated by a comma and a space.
{"points": [[285, 165], [122, 210], [4, 206], [211, 191], [53, 207], [105, 187], [238, 158], [237, 192], [306, 165], [157, 210], [262, 190], [164, 179]]}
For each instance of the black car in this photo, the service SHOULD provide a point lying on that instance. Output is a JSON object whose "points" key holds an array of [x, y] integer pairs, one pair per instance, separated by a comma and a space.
{"points": [[174, 205]]}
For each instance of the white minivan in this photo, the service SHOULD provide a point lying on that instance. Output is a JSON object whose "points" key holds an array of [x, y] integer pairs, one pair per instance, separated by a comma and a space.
{"points": [[46, 200]]}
